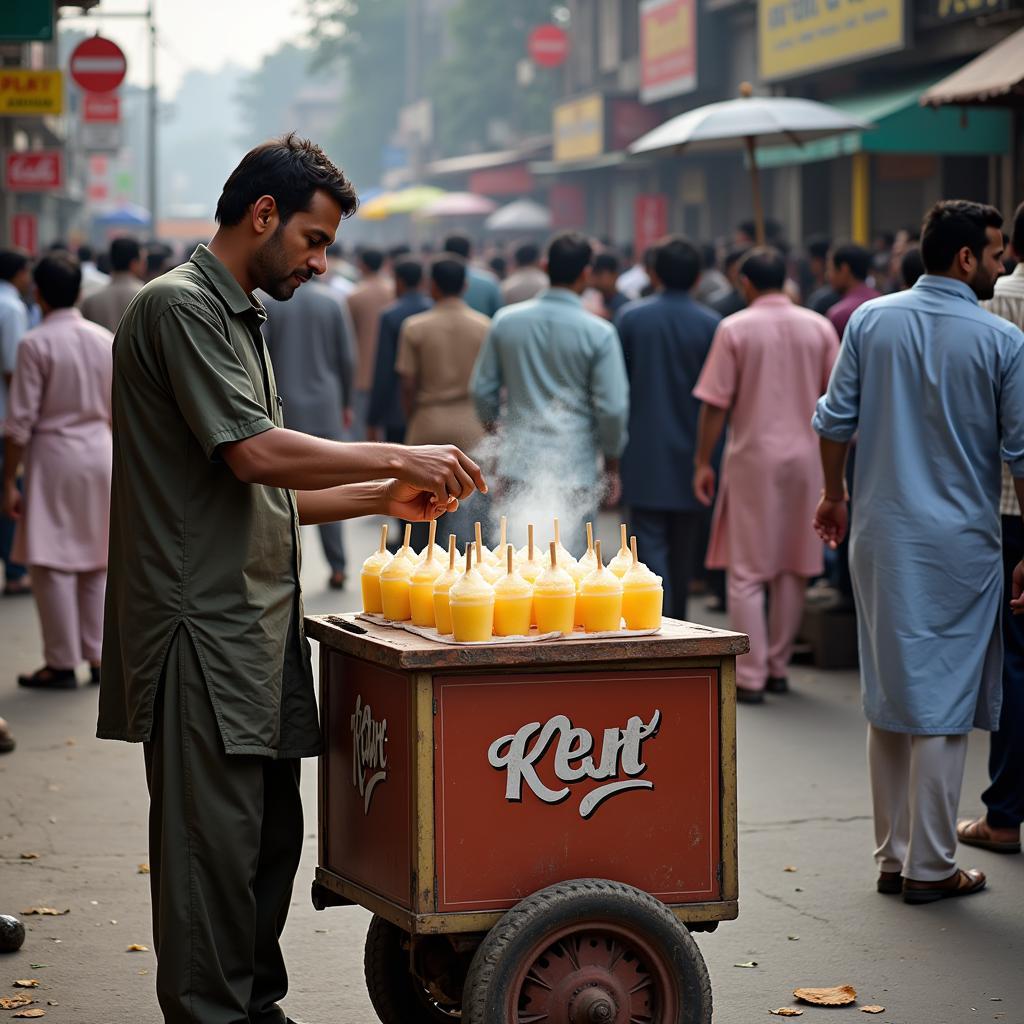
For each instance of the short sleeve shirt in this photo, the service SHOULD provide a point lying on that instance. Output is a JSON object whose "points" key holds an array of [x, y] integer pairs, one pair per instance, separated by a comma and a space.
{"points": [[191, 546]]}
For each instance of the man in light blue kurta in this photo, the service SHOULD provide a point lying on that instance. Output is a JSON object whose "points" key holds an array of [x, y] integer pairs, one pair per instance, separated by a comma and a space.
{"points": [[933, 385], [564, 375]]}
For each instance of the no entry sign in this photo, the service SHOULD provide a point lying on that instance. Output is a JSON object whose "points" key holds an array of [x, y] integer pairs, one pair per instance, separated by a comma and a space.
{"points": [[98, 65], [548, 46]]}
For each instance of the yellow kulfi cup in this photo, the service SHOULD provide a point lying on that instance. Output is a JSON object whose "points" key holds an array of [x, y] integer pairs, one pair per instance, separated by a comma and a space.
{"points": [[369, 577], [554, 597], [443, 583], [601, 599], [421, 583], [394, 582], [513, 600], [471, 600], [642, 595]]}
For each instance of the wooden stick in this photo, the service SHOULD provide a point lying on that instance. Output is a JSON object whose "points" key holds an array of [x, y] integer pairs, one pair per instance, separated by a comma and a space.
{"points": [[408, 536], [624, 545], [452, 550], [509, 555], [383, 538], [479, 541], [469, 557], [590, 536], [504, 532], [632, 547], [431, 539], [558, 539], [597, 553], [529, 542], [554, 554]]}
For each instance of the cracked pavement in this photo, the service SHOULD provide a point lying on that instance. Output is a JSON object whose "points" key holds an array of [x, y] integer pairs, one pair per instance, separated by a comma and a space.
{"points": [[80, 804]]}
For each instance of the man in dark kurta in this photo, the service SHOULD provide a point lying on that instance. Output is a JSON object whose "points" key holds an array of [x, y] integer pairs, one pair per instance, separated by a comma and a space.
{"points": [[204, 657]]}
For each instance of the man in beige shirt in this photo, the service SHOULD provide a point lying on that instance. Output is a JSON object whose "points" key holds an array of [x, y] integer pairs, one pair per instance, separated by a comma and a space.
{"points": [[128, 267], [436, 354], [375, 291]]}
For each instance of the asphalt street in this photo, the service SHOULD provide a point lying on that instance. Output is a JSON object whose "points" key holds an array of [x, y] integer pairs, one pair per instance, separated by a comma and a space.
{"points": [[73, 837]]}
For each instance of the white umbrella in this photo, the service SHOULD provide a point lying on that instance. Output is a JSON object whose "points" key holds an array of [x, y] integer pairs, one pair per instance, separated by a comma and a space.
{"points": [[746, 122], [520, 215]]}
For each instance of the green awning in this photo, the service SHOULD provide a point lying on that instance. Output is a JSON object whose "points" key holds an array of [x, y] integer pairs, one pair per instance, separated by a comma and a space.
{"points": [[903, 126]]}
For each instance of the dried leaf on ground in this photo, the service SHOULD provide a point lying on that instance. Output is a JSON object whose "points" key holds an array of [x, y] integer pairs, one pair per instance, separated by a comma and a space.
{"points": [[790, 868], [136, 948], [840, 995], [27, 983], [872, 1009], [793, 938], [34, 1012], [30, 856], [786, 1011], [143, 869], [46, 911], [13, 1002], [38, 967], [749, 963]]}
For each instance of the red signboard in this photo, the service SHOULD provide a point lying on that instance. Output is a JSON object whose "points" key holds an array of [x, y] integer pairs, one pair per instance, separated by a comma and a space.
{"points": [[98, 65], [101, 108], [568, 206], [650, 220], [627, 121], [541, 777], [548, 46], [514, 180], [37, 171], [25, 232], [668, 48]]}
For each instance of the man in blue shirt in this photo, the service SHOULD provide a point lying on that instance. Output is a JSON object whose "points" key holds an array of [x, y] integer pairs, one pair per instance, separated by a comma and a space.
{"points": [[567, 399], [665, 339], [386, 418], [482, 291]]}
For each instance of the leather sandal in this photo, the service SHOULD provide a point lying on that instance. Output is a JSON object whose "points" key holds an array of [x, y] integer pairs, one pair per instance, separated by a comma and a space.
{"points": [[47, 678], [890, 883], [960, 883], [978, 832]]}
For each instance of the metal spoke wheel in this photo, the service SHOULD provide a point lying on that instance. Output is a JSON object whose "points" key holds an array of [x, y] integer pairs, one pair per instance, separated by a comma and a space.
{"points": [[588, 951], [398, 995]]}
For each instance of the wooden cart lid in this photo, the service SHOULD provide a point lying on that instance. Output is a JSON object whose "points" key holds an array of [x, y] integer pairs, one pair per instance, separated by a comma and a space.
{"points": [[396, 648]]}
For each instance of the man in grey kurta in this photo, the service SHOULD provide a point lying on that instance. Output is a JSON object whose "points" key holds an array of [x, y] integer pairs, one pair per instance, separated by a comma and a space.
{"points": [[310, 342], [933, 385]]}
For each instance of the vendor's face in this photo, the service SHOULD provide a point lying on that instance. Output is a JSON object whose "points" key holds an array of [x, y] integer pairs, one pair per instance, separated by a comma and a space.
{"points": [[989, 267], [297, 249]]}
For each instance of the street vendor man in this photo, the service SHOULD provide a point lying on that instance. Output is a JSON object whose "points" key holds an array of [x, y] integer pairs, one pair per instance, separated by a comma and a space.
{"points": [[204, 657]]}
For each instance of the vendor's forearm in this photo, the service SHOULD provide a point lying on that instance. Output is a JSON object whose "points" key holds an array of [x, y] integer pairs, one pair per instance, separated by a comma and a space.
{"points": [[833, 464], [709, 430], [346, 502], [299, 462]]}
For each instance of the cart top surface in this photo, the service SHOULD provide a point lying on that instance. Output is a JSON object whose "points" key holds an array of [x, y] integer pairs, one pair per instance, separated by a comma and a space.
{"points": [[397, 648]]}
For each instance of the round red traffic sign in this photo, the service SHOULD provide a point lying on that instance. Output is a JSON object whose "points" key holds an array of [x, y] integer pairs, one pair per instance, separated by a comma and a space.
{"points": [[548, 46], [98, 65]]}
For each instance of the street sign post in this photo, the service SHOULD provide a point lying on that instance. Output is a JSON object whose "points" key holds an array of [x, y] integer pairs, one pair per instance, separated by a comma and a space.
{"points": [[98, 65], [100, 130]]}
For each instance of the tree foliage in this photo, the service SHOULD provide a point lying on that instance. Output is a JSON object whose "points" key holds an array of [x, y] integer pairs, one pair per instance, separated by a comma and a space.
{"points": [[265, 94]]}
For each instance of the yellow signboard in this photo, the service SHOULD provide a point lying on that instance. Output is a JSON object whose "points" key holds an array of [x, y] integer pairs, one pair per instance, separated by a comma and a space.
{"points": [[579, 129], [28, 93], [798, 36]]}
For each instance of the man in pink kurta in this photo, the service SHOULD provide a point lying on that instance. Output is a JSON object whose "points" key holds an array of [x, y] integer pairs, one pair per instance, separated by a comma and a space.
{"points": [[58, 424], [767, 367]]}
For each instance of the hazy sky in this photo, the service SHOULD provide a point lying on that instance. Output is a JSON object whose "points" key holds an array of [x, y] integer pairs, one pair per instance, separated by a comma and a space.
{"points": [[203, 34]]}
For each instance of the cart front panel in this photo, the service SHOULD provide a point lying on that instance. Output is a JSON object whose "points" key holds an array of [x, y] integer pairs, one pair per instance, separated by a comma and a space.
{"points": [[542, 777]]}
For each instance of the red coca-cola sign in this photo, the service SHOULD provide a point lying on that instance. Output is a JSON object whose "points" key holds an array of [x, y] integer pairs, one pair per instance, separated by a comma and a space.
{"points": [[39, 171]]}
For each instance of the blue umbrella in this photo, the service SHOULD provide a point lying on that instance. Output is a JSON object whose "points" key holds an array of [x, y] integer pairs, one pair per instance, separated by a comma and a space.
{"points": [[127, 216]]}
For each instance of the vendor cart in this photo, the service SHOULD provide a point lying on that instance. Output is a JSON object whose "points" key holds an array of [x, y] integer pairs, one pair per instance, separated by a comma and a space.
{"points": [[536, 827]]}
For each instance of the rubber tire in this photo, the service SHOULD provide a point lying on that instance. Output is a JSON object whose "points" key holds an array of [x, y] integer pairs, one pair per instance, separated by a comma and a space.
{"points": [[583, 900], [392, 988]]}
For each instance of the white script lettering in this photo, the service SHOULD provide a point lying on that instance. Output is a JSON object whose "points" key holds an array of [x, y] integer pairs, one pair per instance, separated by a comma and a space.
{"points": [[369, 754]]}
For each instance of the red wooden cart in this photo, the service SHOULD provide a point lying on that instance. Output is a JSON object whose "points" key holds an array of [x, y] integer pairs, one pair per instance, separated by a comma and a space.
{"points": [[537, 828]]}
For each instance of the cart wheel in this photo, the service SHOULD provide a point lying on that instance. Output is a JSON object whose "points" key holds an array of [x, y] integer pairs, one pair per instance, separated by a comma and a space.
{"points": [[398, 996], [588, 951]]}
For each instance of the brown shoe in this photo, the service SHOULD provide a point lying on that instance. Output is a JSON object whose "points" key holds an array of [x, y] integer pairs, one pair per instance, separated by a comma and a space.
{"points": [[890, 883], [960, 883], [978, 832]]}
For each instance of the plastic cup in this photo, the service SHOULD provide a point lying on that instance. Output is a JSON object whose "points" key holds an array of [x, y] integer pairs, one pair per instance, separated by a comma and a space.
{"points": [[642, 606], [513, 601], [471, 600], [601, 600], [369, 577], [554, 598], [394, 585], [421, 592]]}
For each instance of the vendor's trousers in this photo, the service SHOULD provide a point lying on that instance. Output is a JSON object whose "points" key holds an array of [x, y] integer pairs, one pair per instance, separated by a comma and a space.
{"points": [[915, 790], [225, 835], [772, 634], [1005, 797], [670, 540], [70, 607]]}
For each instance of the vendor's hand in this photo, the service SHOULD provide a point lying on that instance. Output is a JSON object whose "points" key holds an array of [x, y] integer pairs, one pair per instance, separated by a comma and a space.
{"points": [[442, 470], [831, 521], [1017, 600], [409, 503], [13, 503], [704, 484]]}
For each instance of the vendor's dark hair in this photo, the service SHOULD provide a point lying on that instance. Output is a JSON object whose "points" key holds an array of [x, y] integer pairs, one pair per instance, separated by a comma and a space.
{"points": [[765, 268], [58, 279], [854, 256], [448, 272], [290, 169], [950, 225], [569, 254], [677, 263]]}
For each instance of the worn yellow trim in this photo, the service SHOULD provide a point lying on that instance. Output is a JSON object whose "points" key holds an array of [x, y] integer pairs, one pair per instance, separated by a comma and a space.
{"points": [[727, 780], [424, 888], [860, 198]]}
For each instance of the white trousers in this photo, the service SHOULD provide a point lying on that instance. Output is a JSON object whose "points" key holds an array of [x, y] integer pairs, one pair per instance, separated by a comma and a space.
{"points": [[772, 633], [70, 606], [915, 789]]}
